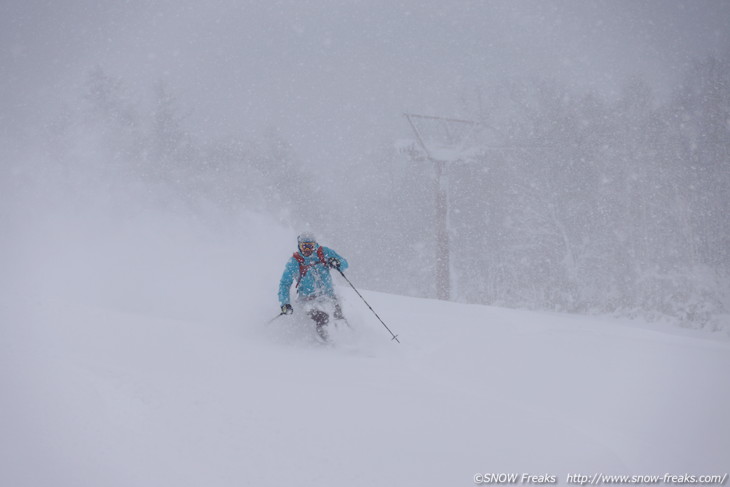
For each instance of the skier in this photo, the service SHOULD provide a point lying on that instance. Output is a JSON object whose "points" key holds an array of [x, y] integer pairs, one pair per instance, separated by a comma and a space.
{"points": [[310, 267]]}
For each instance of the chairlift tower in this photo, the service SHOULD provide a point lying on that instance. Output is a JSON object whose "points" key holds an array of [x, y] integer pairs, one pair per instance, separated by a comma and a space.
{"points": [[449, 149]]}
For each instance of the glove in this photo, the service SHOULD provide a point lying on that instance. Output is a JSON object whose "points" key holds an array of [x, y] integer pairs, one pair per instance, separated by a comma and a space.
{"points": [[334, 262], [286, 309]]}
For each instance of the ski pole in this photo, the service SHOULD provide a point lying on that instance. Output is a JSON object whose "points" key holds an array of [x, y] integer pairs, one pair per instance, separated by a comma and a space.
{"points": [[395, 337], [275, 317]]}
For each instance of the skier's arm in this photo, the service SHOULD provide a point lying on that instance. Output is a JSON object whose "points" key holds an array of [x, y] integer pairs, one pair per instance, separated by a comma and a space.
{"points": [[287, 278], [329, 253]]}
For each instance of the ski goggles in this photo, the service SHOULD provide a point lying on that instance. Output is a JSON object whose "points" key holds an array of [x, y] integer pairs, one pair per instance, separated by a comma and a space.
{"points": [[307, 246]]}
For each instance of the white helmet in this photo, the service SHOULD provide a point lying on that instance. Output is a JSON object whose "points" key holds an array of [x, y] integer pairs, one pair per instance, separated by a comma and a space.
{"points": [[306, 237]]}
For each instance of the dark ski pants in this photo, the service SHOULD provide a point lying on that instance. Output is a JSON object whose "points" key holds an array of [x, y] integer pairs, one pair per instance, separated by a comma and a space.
{"points": [[317, 314]]}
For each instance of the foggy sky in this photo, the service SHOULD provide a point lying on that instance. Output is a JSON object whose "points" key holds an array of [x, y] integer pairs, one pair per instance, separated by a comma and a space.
{"points": [[335, 76]]}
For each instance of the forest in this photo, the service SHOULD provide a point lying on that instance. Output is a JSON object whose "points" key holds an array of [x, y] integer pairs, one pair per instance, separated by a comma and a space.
{"points": [[567, 201]]}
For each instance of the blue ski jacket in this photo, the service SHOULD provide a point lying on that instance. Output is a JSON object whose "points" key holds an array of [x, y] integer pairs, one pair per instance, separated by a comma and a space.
{"points": [[311, 276]]}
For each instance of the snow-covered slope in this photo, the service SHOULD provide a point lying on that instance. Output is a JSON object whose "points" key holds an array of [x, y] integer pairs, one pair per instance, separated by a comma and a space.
{"points": [[134, 352], [98, 397]]}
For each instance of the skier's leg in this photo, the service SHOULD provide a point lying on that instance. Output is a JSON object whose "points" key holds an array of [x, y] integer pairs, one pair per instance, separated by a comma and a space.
{"points": [[320, 319], [338, 312]]}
